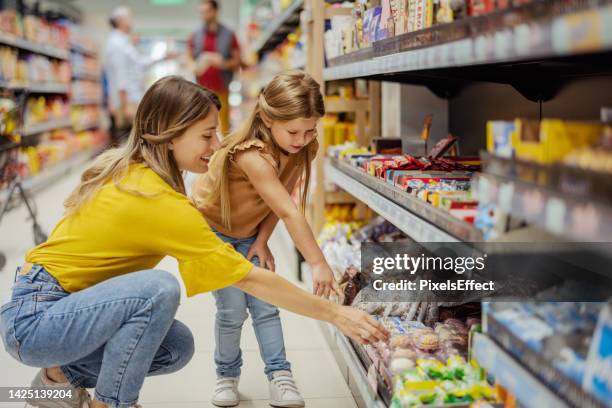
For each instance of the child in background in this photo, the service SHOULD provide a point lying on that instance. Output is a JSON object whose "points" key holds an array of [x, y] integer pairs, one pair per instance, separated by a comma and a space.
{"points": [[243, 195]]}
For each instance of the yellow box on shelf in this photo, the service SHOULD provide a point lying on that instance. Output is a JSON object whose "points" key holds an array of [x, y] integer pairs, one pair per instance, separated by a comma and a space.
{"points": [[546, 141]]}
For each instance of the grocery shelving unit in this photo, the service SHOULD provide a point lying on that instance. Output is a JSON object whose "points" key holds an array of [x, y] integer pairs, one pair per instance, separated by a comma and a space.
{"points": [[537, 48], [30, 131], [367, 111], [25, 45]]}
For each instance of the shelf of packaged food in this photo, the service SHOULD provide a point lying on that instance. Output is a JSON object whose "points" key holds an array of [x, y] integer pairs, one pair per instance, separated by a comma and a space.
{"points": [[337, 105], [42, 49], [560, 177], [46, 126], [350, 364], [55, 172], [277, 30], [508, 372], [527, 45], [544, 372], [571, 216], [40, 88], [418, 219]]}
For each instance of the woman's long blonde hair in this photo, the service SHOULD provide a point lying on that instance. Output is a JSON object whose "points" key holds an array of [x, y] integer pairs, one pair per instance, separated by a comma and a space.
{"points": [[167, 109], [290, 95]]}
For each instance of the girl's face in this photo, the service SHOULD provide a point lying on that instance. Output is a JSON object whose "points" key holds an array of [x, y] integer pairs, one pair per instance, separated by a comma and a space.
{"points": [[293, 135], [192, 150]]}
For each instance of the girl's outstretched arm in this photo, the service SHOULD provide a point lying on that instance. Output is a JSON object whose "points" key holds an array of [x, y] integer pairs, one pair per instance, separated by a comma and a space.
{"points": [[274, 193], [270, 287]]}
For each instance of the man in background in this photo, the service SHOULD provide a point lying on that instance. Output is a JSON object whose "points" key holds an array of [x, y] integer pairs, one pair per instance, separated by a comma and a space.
{"points": [[124, 70], [214, 54]]}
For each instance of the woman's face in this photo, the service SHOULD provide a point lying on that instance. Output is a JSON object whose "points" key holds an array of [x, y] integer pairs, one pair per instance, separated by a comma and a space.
{"points": [[293, 135], [192, 150]]}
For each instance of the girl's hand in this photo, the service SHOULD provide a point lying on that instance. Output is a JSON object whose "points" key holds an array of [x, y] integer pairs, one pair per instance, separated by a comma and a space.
{"points": [[261, 250], [323, 280], [359, 325]]}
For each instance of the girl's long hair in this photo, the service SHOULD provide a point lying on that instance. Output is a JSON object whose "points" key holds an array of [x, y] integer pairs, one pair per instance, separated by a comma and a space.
{"points": [[167, 109], [290, 95]]}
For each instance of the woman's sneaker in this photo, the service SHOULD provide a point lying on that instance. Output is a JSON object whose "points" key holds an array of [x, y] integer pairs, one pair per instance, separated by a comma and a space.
{"points": [[75, 397], [226, 392], [283, 391]]}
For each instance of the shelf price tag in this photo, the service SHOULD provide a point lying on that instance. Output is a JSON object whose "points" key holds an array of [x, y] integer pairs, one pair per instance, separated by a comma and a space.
{"points": [[555, 215]]}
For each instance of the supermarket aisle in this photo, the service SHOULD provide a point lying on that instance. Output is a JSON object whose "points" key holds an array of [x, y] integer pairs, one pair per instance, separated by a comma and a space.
{"points": [[314, 367]]}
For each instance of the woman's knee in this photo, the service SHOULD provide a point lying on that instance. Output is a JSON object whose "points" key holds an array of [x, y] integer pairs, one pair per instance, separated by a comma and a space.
{"points": [[163, 287]]}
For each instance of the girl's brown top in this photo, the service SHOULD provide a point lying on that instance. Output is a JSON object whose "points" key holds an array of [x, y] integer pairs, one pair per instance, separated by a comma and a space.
{"points": [[247, 208]]}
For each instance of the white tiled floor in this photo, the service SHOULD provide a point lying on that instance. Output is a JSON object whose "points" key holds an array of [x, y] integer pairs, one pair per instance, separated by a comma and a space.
{"points": [[314, 367]]}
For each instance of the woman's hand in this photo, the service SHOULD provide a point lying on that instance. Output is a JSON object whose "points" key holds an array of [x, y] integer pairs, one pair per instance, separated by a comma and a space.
{"points": [[359, 325], [261, 250], [323, 282]]}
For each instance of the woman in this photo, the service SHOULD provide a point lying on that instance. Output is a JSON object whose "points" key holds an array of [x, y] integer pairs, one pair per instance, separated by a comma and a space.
{"points": [[87, 305]]}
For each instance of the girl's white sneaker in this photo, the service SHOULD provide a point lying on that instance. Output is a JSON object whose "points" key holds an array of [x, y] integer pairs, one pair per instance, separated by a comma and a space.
{"points": [[284, 392], [226, 392]]}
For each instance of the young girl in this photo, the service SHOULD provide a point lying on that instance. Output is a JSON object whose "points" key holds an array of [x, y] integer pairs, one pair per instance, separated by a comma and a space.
{"points": [[89, 308], [245, 192]]}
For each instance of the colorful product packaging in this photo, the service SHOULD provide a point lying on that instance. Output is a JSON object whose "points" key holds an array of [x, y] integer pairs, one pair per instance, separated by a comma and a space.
{"points": [[420, 14]]}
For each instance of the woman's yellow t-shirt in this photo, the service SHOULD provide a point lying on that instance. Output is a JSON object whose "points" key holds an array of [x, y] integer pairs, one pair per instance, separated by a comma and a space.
{"points": [[118, 232]]}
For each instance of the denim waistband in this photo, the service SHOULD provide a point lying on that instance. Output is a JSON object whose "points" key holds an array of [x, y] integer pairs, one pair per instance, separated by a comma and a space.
{"points": [[38, 274]]}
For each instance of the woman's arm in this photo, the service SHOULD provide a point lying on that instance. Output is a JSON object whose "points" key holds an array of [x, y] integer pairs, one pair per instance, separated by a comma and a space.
{"points": [[266, 182], [276, 290]]}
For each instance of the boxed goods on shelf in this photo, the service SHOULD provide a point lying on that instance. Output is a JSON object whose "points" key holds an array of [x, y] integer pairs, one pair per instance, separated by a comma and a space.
{"points": [[44, 109], [32, 68], [546, 141], [556, 341]]}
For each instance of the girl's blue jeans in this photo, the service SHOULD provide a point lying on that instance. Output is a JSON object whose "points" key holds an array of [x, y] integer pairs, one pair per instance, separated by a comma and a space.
{"points": [[232, 306], [109, 336]]}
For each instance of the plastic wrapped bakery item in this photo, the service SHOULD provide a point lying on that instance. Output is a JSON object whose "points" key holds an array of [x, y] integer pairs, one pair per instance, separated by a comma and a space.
{"points": [[425, 339], [401, 341]]}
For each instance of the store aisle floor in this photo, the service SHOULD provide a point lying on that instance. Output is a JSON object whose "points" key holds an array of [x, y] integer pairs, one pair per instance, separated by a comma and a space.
{"points": [[314, 367]]}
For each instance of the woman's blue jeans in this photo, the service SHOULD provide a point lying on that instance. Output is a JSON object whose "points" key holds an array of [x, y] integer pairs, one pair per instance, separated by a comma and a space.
{"points": [[109, 336], [232, 305]]}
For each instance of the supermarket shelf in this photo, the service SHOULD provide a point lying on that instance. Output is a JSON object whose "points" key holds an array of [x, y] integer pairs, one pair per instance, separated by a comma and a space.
{"points": [[529, 391], [348, 360], [277, 31], [46, 126], [559, 177], [49, 51], [419, 220], [526, 46], [337, 105], [36, 88], [54, 173], [544, 373], [568, 215]]}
